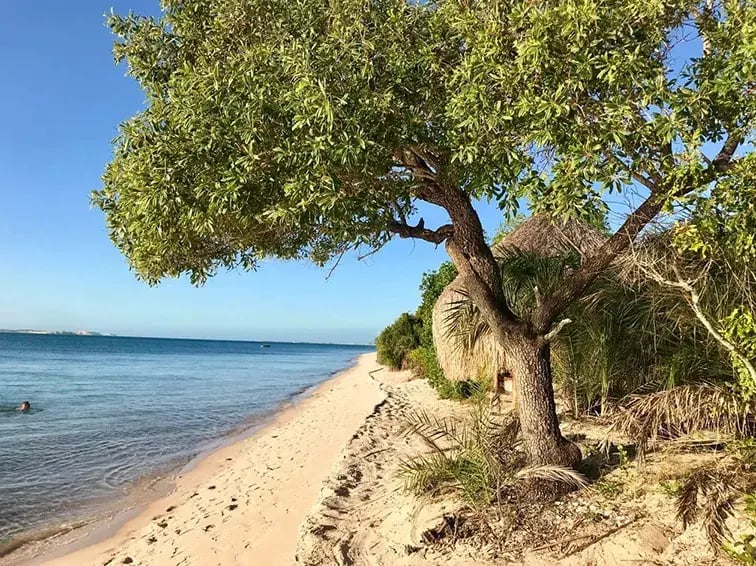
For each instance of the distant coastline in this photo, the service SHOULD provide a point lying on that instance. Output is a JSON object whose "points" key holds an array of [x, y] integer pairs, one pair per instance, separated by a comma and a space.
{"points": [[112, 335], [55, 332]]}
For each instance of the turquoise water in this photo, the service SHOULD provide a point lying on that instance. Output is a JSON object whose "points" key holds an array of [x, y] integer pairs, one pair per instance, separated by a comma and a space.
{"points": [[107, 411]]}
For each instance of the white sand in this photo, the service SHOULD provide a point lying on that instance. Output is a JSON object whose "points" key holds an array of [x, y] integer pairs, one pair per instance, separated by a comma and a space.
{"points": [[319, 486], [244, 503]]}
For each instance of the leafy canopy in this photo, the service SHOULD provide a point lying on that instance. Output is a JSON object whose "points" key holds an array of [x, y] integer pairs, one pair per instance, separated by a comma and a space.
{"points": [[294, 129]]}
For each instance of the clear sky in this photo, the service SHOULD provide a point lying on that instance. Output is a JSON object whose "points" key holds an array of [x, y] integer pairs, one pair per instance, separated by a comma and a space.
{"points": [[62, 99]]}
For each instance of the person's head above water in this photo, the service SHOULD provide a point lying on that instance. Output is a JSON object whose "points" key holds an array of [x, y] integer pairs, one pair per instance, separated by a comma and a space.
{"points": [[25, 406]]}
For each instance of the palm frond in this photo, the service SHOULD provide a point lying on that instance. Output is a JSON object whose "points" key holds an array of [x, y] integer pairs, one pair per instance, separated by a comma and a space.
{"points": [[475, 458], [683, 410], [559, 474], [431, 429], [709, 494], [464, 326]]}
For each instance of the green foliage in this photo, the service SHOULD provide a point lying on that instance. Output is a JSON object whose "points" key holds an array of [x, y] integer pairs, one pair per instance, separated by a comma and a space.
{"points": [[397, 340], [432, 285], [671, 487], [280, 129], [422, 358], [743, 549], [477, 459], [424, 363], [740, 328], [608, 489], [573, 77]]}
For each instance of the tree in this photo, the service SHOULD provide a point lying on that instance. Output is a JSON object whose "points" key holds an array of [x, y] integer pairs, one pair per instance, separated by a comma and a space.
{"points": [[308, 129]]}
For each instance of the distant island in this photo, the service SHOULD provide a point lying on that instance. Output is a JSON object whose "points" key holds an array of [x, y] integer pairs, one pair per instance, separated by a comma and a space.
{"points": [[57, 332]]}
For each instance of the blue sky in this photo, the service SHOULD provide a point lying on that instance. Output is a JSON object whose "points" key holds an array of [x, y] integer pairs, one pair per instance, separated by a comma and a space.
{"points": [[62, 98]]}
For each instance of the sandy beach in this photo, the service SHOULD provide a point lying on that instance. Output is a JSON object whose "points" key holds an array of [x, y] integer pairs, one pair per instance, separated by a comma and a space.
{"points": [[319, 485], [244, 503]]}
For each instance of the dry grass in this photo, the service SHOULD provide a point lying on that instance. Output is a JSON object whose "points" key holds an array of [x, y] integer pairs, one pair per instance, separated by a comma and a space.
{"points": [[682, 410]]}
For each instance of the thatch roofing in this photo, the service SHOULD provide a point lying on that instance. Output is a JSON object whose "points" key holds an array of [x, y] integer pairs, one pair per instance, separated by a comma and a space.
{"points": [[538, 234]]}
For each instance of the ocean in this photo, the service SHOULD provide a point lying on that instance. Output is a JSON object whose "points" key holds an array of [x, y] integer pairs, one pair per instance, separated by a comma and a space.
{"points": [[108, 412]]}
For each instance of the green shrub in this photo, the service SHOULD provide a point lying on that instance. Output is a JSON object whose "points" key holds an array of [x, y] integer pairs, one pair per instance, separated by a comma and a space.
{"points": [[424, 364], [431, 287], [477, 459], [397, 340], [743, 549]]}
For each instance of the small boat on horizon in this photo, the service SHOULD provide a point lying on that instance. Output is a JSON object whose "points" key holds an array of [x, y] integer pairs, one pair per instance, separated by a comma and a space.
{"points": [[264, 345]]}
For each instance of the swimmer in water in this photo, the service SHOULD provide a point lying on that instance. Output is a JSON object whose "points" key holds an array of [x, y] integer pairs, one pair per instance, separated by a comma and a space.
{"points": [[25, 406]]}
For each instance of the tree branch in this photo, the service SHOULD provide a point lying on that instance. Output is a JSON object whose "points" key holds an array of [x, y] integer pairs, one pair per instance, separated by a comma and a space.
{"points": [[497, 314], [575, 285], [694, 300], [723, 160], [557, 329], [420, 232]]}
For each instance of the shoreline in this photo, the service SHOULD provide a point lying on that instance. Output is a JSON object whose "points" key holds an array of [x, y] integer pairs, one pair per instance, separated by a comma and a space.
{"points": [[99, 523], [349, 392]]}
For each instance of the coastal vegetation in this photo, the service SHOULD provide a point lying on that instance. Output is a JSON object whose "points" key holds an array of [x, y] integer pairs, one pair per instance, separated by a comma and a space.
{"points": [[397, 340], [311, 130]]}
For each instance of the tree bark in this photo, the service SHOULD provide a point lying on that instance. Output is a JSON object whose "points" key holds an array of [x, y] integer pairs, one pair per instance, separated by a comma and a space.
{"points": [[530, 364], [528, 359], [527, 353]]}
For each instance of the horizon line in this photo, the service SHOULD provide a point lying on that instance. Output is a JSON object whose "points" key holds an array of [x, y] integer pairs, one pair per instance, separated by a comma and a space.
{"points": [[93, 334]]}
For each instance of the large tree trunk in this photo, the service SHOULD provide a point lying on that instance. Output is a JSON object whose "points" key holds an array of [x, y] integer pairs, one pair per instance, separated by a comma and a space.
{"points": [[528, 358], [529, 361]]}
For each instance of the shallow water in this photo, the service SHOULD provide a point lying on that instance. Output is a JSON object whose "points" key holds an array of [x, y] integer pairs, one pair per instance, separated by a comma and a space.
{"points": [[107, 411]]}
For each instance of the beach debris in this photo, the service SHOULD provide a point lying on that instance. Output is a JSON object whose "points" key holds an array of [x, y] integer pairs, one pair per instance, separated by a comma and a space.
{"points": [[342, 553], [448, 528], [208, 527], [152, 540], [127, 560], [171, 508], [232, 507], [162, 524]]}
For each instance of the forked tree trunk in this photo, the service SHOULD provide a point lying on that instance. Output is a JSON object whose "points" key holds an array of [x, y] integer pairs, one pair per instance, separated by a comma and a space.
{"points": [[529, 361]]}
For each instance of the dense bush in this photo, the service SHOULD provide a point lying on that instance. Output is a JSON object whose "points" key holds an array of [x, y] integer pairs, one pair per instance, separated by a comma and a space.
{"points": [[625, 335], [424, 363], [398, 340], [408, 341], [432, 285], [626, 338]]}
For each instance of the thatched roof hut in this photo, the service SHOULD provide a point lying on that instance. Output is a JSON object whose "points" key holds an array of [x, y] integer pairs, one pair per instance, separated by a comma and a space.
{"points": [[537, 234]]}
